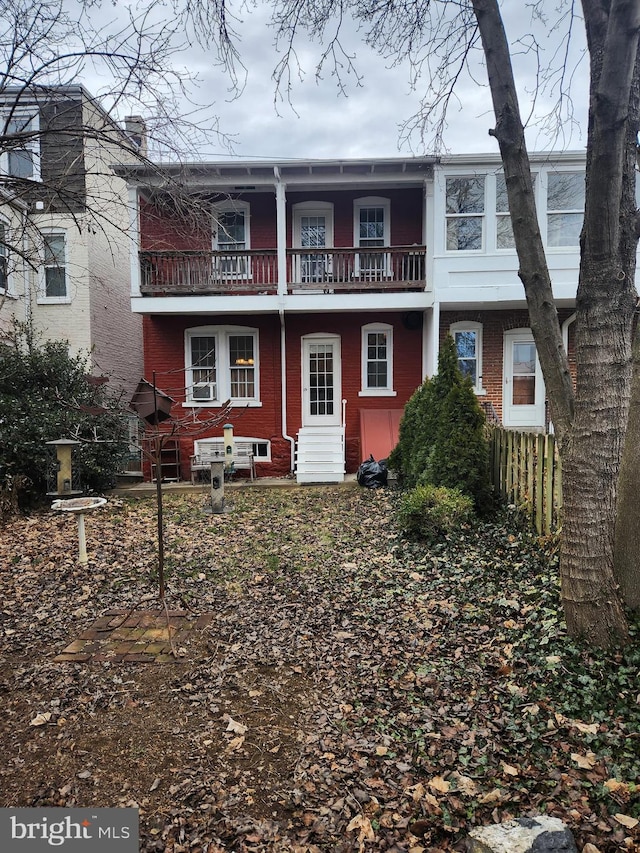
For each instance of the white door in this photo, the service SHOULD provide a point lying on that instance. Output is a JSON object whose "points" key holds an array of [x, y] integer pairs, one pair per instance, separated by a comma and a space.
{"points": [[313, 230], [523, 395], [321, 381]]}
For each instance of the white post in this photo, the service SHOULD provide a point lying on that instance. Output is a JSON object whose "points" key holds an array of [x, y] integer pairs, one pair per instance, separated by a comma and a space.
{"points": [[82, 540]]}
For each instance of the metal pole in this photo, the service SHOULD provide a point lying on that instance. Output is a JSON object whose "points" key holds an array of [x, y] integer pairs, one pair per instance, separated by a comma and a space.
{"points": [[158, 456]]}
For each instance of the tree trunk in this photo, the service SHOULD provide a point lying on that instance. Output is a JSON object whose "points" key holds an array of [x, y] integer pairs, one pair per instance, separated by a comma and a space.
{"points": [[590, 440], [626, 555]]}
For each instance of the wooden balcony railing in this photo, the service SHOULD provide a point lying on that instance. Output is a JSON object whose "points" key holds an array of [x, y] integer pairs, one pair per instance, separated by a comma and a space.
{"points": [[256, 271], [209, 272]]}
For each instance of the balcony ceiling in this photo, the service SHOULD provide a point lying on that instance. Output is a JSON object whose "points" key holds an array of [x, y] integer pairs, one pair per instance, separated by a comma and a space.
{"points": [[297, 175]]}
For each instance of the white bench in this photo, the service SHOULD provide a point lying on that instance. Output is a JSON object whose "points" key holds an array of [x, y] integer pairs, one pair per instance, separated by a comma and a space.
{"points": [[208, 450]]}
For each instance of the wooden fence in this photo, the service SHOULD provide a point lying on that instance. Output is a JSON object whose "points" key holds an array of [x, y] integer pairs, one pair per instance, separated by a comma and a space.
{"points": [[525, 468]]}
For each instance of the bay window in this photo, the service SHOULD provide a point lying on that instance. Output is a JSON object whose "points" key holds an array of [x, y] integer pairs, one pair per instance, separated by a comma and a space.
{"points": [[565, 208], [465, 213]]}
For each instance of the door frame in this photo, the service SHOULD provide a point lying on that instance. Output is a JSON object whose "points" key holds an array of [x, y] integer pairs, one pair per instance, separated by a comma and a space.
{"points": [[307, 419], [526, 415]]}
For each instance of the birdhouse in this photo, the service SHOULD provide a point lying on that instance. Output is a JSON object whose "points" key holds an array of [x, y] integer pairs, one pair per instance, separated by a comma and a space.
{"points": [[150, 403]]}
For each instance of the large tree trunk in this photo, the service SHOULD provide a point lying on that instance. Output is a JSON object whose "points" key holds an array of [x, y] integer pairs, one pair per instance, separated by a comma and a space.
{"points": [[627, 533], [590, 439]]}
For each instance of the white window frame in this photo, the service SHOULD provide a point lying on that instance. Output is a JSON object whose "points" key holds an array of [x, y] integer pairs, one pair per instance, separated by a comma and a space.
{"points": [[5, 255], [449, 217], [221, 334], [32, 144], [470, 326], [232, 206], [312, 208], [365, 332], [43, 299], [562, 247], [367, 202]]}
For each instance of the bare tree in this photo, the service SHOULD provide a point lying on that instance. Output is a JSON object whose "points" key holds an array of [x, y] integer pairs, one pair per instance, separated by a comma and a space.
{"points": [[440, 39], [53, 132]]}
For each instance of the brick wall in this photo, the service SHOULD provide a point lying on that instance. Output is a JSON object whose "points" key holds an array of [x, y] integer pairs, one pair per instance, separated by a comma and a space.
{"points": [[164, 352], [494, 325]]}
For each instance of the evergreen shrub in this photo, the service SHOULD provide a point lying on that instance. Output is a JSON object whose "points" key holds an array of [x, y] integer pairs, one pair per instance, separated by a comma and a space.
{"points": [[431, 512]]}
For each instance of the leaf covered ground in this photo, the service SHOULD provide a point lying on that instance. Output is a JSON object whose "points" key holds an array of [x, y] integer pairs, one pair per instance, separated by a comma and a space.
{"points": [[354, 691]]}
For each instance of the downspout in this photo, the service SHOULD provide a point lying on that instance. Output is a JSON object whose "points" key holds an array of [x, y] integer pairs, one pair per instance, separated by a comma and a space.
{"points": [[281, 231]]}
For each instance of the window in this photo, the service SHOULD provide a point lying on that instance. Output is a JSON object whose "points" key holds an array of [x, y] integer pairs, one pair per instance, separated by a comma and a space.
{"points": [[465, 213], [54, 283], [22, 153], [4, 260], [231, 235], [377, 360], [504, 231], [372, 230], [468, 341], [565, 208], [221, 364]]}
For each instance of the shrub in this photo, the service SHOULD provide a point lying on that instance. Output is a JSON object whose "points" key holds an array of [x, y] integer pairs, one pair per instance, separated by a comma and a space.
{"points": [[46, 394], [431, 512], [459, 457]]}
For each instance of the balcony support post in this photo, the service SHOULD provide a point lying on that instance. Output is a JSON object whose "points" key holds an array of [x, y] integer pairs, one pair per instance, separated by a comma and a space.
{"points": [[281, 231]]}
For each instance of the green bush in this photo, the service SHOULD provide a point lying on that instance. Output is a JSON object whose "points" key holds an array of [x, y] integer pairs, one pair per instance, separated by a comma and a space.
{"points": [[431, 512], [442, 438], [46, 394], [459, 457]]}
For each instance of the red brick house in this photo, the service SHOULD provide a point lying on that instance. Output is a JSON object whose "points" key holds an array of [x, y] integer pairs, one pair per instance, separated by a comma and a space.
{"points": [[314, 294]]}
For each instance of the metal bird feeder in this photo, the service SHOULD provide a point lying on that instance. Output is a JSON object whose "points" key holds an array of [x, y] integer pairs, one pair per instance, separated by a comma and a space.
{"points": [[62, 480]]}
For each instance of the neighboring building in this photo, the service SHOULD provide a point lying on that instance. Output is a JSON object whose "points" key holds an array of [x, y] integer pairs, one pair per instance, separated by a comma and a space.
{"points": [[68, 221], [314, 294]]}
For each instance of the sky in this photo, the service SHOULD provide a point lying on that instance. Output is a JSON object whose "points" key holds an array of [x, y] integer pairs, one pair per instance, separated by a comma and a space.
{"points": [[366, 119]]}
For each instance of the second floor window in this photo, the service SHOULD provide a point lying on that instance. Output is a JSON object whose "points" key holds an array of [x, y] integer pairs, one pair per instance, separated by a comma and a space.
{"points": [[221, 365], [465, 213], [504, 231], [565, 208], [4, 261], [22, 148], [232, 236], [55, 266]]}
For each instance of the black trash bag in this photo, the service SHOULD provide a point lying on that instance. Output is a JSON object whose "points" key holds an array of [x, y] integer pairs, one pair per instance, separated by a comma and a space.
{"points": [[372, 474]]}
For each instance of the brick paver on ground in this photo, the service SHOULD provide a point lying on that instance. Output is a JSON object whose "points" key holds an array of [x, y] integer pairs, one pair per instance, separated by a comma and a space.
{"points": [[138, 636]]}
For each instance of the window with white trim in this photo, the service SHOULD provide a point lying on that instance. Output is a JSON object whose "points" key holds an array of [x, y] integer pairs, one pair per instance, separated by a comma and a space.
{"points": [[221, 364], [504, 231], [565, 208], [372, 229], [465, 209], [468, 340], [231, 237], [54, 285], [377, 360], [21, 156], [4, 260]]}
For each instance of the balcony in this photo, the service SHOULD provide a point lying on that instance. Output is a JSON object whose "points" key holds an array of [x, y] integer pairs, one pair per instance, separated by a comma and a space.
{"points": [[350, 270]]}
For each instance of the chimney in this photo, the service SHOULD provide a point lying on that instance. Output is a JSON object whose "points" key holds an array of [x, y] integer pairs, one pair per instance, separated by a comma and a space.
{"points": [[136, 129]]}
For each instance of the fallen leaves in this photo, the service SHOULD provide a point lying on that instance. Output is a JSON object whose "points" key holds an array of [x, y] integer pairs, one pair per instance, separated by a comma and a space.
{"points": [[351, 689]]}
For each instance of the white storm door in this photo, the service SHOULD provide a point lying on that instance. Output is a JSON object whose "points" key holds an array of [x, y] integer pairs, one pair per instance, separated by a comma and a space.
{"points": [[523, 400], [321, 381]]}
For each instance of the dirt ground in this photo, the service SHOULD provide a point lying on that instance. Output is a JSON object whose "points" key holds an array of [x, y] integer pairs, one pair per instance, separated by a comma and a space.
{"points": [[326, 706]]}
